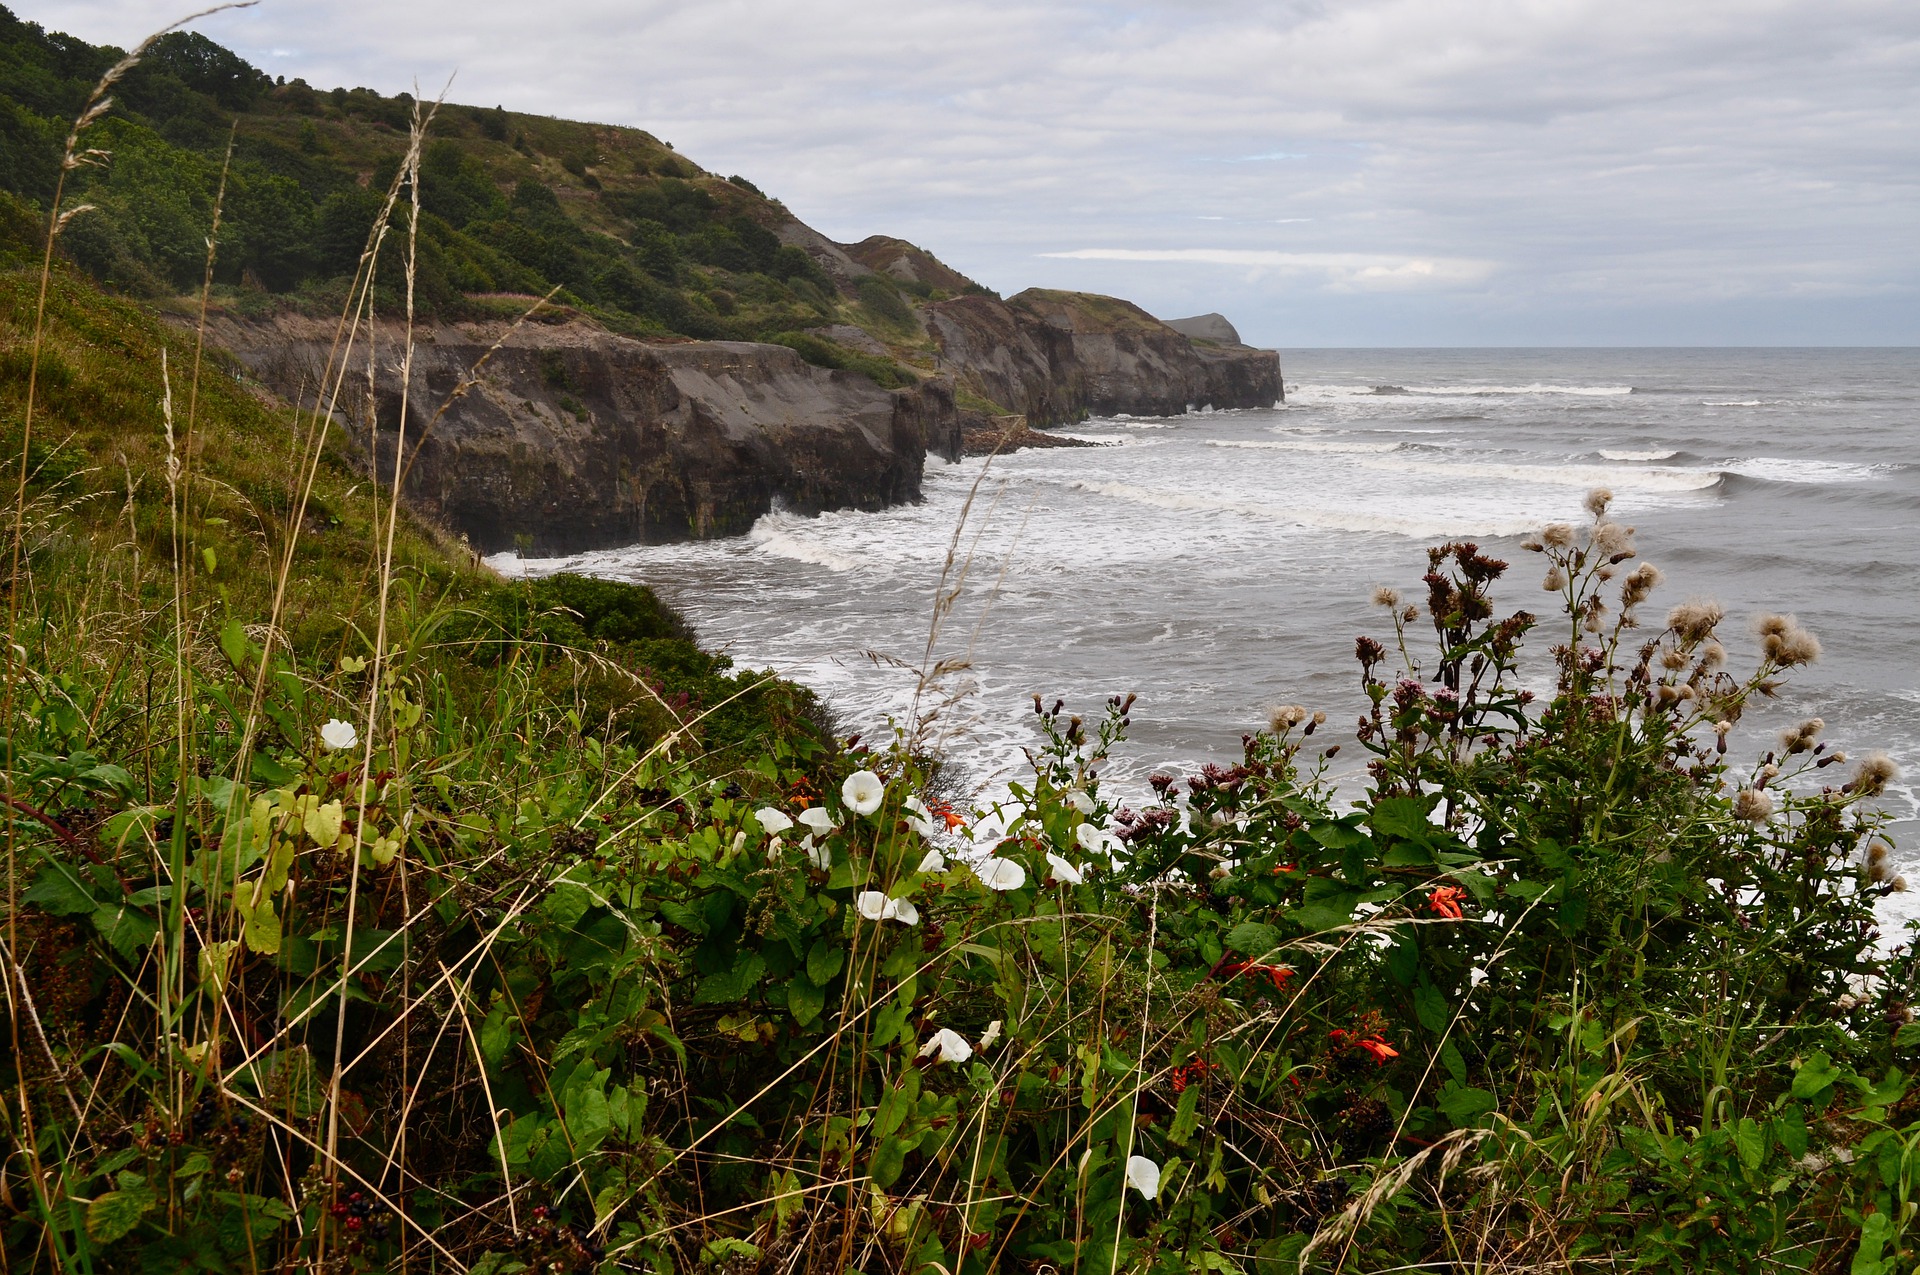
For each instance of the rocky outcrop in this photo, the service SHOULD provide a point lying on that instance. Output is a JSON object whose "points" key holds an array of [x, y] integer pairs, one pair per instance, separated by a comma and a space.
{"points": [[906, 263], [573, 438], [1206, 327], [1056, 357]]}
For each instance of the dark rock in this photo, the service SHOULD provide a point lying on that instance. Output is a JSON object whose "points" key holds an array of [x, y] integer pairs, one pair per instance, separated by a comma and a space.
{"points": [[1055, 357], [573, 438], [1206, 327]]}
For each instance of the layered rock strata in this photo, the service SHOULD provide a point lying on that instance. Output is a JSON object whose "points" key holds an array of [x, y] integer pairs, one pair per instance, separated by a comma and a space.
{"points": [[572, 438]]}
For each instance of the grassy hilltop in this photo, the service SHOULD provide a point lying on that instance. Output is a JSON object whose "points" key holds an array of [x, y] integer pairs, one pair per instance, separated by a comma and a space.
{"points": [[366, 913], [645, 242]]}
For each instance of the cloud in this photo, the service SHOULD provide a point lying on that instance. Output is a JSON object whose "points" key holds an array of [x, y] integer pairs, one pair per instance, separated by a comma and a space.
{"points": [[1346, 270], [1616, 157]]}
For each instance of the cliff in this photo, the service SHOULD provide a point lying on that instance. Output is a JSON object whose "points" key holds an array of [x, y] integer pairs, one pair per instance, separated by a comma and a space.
{"points": [[1055, 357], [575, 438]]}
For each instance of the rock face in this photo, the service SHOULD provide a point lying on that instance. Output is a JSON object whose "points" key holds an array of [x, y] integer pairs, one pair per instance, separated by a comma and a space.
{"points": [[573, 438], [1055, 357], [1206, 327]]}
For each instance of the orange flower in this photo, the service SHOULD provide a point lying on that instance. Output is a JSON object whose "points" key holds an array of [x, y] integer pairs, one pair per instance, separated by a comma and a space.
{"points": [[1379, 1048], [1446, 902], [1275, 974]]}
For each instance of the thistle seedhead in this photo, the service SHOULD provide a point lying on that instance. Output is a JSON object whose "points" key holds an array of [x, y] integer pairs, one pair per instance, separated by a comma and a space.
{"points": [[1558, 535], [1801, 737], [1753, 806], [1597, 501], [1613, 540], [1556, 580], [1785, 642], [1640, 582], [1695, 619], [1875, 773], [1385, 597], [1285, 718]]}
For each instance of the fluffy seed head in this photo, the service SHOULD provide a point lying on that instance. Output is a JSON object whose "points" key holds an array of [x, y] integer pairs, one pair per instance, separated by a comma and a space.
{"points": [[1899, 885], [1556, 580], [1557, 535], [1801, 737], [1873, 776], [1285, 718], [1753, 805], [1385, 597], [1785, 643], [1612, 538], [1712, 656], [1878, 852], [1597, 501], [1695, 620]]}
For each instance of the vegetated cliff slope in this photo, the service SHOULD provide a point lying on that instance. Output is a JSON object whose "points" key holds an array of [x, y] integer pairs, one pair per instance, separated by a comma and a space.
{"points": [[646, 250], [573, 438]]}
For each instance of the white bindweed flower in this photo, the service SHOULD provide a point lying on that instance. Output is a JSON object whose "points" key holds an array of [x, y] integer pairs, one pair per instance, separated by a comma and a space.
{"points": [[336, 735], [774, 847], [820, 856], [919, 818], [774, 821], [1063, 871], [1097, 841], [947, 1045], [1079, 801], [1000, 874], [1143, 1175], [817, 818], [876, 906], [989, 1036], [862, 792], [932, 861]]}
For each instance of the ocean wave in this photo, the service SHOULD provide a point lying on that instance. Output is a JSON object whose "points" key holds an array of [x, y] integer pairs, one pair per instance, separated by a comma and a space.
{"points": [[1418, 528], [1663, 479], [1305, 445], [1616, 453], [780, 535], [1782, 469], [1463, 391]]}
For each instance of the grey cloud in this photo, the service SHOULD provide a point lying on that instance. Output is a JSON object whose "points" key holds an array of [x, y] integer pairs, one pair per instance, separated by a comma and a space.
{"points": [[1747, 167]]}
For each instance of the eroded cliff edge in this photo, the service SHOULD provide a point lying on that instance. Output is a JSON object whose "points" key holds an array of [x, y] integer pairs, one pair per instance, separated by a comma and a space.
{"points": [[1055, 357], [573, 438]]}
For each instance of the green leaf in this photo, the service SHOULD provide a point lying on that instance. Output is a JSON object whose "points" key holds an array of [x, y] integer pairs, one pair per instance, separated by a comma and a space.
{"points": [[1253, 939], [1185, 1116], [234, 644], [260, 926], [113, 1214], [588, 1118], [1402, 817], [61, 891], [1875, 1230], [889, 1159], [1430, 1004], [824, 960], [1907, 1037], [1463, 1105], [1815, 1077], [1451, 1059], [733, 984], [1750, 1141], [496, 1035], [805, 999]]}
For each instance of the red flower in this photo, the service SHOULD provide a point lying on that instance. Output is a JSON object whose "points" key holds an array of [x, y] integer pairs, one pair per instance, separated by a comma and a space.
{"points": [[1373, 1044], [1446, 902], [1195, 1070], [1275, 974]]}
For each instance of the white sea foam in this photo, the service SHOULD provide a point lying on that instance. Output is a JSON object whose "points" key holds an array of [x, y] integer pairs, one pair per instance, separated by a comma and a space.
{"points": [[783, 535], [1460, 391], [1781, 469], [1617, 453], [1303, 445], [1302, 515], [1652, 480]]}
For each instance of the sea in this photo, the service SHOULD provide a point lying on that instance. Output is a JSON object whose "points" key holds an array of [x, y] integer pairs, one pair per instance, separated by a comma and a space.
{"points": [[1220, 563]]}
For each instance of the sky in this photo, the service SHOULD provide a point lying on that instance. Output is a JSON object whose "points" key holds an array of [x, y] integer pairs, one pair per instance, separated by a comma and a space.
{"points": [[1323, 172]]}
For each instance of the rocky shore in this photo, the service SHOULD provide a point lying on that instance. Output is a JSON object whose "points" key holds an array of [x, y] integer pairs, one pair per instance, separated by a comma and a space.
{"points": [[573, 438]]}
